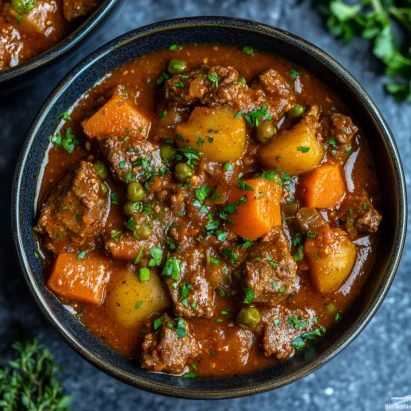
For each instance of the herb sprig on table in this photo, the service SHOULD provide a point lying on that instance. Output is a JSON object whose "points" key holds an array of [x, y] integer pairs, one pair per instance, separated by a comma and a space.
{"points": [[376, 20], [29, 382]]}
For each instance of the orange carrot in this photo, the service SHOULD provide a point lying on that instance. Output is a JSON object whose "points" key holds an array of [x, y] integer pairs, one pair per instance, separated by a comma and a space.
{"points": [[260, 212], [80, 279], [125, 249], [117, 117], [323, 187]]}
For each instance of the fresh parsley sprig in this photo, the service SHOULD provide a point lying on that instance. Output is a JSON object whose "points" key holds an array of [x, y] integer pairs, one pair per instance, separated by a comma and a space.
{"points": [[375, 20]]}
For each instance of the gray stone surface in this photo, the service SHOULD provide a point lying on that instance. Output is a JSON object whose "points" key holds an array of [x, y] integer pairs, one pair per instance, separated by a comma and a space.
{"points": [[365, 376]]}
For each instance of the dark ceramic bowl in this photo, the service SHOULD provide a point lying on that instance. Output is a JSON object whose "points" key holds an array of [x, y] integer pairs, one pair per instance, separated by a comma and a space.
{"points": [[224, 31], [13, 77]]}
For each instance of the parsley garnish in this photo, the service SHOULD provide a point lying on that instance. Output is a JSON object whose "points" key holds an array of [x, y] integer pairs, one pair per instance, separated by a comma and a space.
{"points": [[249, 295], [248, 50], [243, 186]]}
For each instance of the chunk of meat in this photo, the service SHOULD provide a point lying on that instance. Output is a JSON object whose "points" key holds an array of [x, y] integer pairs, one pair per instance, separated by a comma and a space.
{"points": [[341, 128], [270, 270], [118, 117], [83, 279], [73, 9], [131, 160], [359, 215], [200, 89], [219, 85], [282, 327], [275, 91], [75, 210], [170, 348], [192, 293]]}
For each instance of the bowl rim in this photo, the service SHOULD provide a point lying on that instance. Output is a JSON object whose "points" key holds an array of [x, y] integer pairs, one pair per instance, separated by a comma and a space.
{"points": [[63, 46], [344, 76]]}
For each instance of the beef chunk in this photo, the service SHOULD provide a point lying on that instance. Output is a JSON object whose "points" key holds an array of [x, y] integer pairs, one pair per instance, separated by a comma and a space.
{"points": [[270, 270], [75, 211], [339, 127], [131, 159], [284, 329], [275, 91], [192, 294], [73, 9], [199, 89], [359, 215], [170, 348], [220, 85]]}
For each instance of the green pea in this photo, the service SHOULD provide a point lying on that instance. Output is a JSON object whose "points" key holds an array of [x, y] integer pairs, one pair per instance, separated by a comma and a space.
{"points": [[176, 66], [104, 188], [135, 191], [142, 232], [248, 317], [296, 112], [182, 172], [101, 169], [331, 308], [131, 208], [167, 153], [23, 6], [265, 131]]}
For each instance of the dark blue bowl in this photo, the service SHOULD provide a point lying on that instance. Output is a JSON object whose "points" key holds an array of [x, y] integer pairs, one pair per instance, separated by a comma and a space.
{"points": [[224, 31], [27, 72]]}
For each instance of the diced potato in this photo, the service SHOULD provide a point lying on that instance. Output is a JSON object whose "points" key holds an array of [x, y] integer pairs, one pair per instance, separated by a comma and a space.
{"points": [[294, 151], [330, 257], [118, 117], [128, 293], [323, 187], [44, 19], [82, 280], [215, 132], [260, 212]]}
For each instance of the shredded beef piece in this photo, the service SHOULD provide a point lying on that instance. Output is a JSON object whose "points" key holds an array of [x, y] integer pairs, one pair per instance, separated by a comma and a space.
{"points": [[73, 9], [275, 91], [359, 215], [192, 294], [75, 210], [280, 326], [169, 349], [270, 270], [130, 159], [197, 87]]}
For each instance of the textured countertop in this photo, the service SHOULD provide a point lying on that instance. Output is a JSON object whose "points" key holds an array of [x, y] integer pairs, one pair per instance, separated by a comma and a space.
{"points": [[376, 367]]}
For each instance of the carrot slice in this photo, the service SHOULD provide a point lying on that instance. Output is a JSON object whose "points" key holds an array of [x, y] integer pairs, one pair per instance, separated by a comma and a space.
{"points": [[323, 187], [117, 117], [260, 212], [80, 279]]}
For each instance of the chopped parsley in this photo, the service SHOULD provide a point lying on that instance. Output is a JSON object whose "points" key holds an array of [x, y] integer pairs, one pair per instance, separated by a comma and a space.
{"points": [[143, 274], [81, 254], [172, 268], [243, 186], [157, 256], [213, 77], [294, 73], [248, 50], [249, 295], [303, 149]]}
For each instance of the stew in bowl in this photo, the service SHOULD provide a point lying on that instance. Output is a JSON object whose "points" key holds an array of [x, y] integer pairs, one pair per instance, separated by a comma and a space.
{"points": [[208, 210]]}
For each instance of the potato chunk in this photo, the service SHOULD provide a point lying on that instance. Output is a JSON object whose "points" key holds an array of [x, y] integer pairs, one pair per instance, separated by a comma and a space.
{"points": [[294, 151], [118, 117], [215, 132], [129, 292], [330, 257], [80, 279]]}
